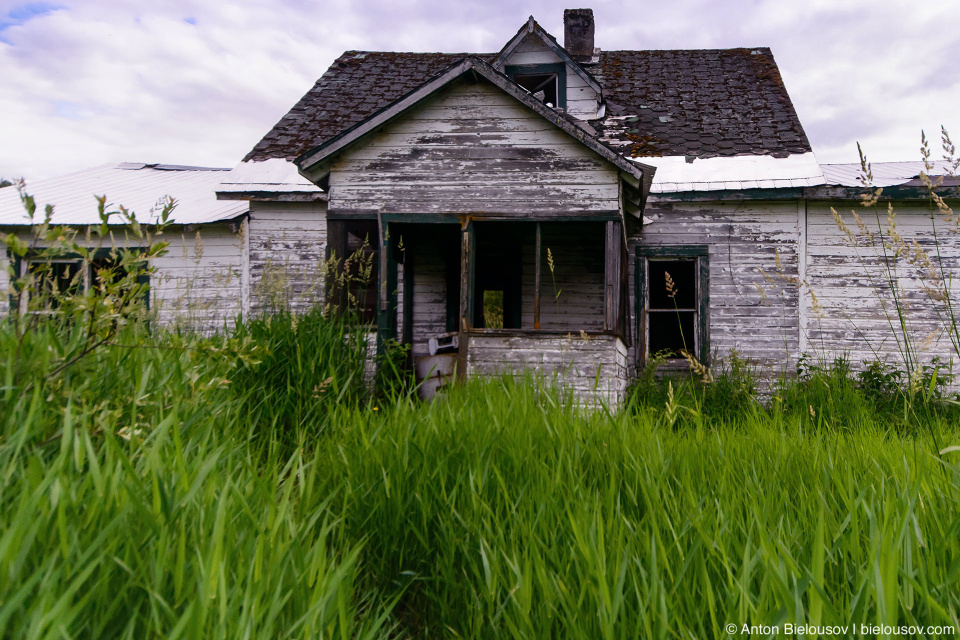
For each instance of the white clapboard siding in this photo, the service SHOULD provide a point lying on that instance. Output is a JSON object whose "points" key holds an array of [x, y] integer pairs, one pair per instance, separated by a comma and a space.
{"points": [[744, 241], [593, 368], [287, 253], [197, 284], [571, 298], [856, 315], [5, 287], [472, 149]]}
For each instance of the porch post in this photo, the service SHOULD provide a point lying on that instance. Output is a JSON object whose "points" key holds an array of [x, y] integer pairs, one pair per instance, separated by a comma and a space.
{"points": [[387, 289], [611, 289], [468, 243]]}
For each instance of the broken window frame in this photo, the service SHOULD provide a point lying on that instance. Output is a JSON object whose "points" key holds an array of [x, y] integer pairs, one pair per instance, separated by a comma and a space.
{"points": [[89, 268], [699, 254], [559, 70]]}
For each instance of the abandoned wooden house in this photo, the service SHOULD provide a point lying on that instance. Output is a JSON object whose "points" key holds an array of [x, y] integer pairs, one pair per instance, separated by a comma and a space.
{"points": [[562, 209]]}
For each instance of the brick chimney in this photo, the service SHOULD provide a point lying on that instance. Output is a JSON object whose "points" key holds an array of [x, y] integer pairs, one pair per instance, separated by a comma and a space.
{"points": [[578, 33]]}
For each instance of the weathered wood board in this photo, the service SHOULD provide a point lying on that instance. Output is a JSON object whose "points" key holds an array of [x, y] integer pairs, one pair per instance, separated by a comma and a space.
{"points": [[287, 253], [472, 149], [593, 368]]}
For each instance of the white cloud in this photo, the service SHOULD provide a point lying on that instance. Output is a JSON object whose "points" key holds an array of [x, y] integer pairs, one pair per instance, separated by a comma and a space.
{"points": [[198, 83]]}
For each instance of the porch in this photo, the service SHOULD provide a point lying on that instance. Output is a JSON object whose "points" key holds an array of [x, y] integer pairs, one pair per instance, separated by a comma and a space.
{"points": [[480, 297]]}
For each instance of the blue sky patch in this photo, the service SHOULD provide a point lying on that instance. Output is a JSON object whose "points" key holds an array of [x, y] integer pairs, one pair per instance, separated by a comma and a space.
{"points": [[190, 20], [69, 110], [24, 13]]}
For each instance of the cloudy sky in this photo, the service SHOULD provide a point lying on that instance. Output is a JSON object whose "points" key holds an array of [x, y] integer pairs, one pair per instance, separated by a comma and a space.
{"points": [[84, 82]]}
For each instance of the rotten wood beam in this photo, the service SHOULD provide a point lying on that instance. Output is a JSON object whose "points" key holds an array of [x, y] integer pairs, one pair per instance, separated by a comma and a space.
{"points": [[467, 273], [387, 311]]}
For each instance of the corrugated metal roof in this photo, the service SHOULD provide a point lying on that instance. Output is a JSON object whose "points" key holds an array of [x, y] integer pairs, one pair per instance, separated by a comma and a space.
{"points": [[885, 174], [138, 187], [274, 175], [677, 174]]}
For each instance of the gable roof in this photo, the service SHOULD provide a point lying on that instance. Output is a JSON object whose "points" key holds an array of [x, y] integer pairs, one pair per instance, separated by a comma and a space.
{"points": [[135, 185], [574, 128], [532, 28], [355, 86], [703, 103]]}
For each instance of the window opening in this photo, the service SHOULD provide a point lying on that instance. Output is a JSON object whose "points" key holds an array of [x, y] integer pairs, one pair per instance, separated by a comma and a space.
{"points": [[361, 268], [499, 275], [673, 312], [672, 307], [493, 309], [546, 82], [543, 87], [60, 277], [56, 279]]}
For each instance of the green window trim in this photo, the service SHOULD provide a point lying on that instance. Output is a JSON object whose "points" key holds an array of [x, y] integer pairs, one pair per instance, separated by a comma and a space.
{"points": [[701, 254], [560, 69]]}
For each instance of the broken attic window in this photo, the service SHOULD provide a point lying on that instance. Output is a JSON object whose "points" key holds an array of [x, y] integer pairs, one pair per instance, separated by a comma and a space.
{"points": [[545, 82], [543, 87]]}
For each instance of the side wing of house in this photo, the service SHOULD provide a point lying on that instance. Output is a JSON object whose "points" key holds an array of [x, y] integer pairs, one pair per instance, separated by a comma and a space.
{"points": [[200, 283], [733, 290]]}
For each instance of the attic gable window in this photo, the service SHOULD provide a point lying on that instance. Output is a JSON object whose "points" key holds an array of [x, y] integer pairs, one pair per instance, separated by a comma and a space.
{"points": [[550, 79]]}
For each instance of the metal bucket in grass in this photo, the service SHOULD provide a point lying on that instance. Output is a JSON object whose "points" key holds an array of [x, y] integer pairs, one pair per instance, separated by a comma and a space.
{"points": [[435, 372]]}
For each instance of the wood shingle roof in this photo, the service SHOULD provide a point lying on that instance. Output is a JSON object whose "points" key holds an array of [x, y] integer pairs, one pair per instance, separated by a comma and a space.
{"points": [[703, 103]]}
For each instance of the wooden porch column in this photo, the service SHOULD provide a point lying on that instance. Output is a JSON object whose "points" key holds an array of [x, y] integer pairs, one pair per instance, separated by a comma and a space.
{"points": [[536, 280], [611, 279], [387, 290], [468, 244]]}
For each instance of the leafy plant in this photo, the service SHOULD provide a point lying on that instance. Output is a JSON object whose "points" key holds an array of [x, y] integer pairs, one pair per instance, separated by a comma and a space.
{"points": [[76, 288]]}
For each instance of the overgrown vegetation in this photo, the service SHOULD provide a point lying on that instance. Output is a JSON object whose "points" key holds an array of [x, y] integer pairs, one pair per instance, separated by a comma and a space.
{"points": [[177, 490], [253, 484]]}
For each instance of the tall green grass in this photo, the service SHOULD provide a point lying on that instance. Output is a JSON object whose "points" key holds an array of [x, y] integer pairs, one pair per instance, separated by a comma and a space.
{"points": [[169, 488]]}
